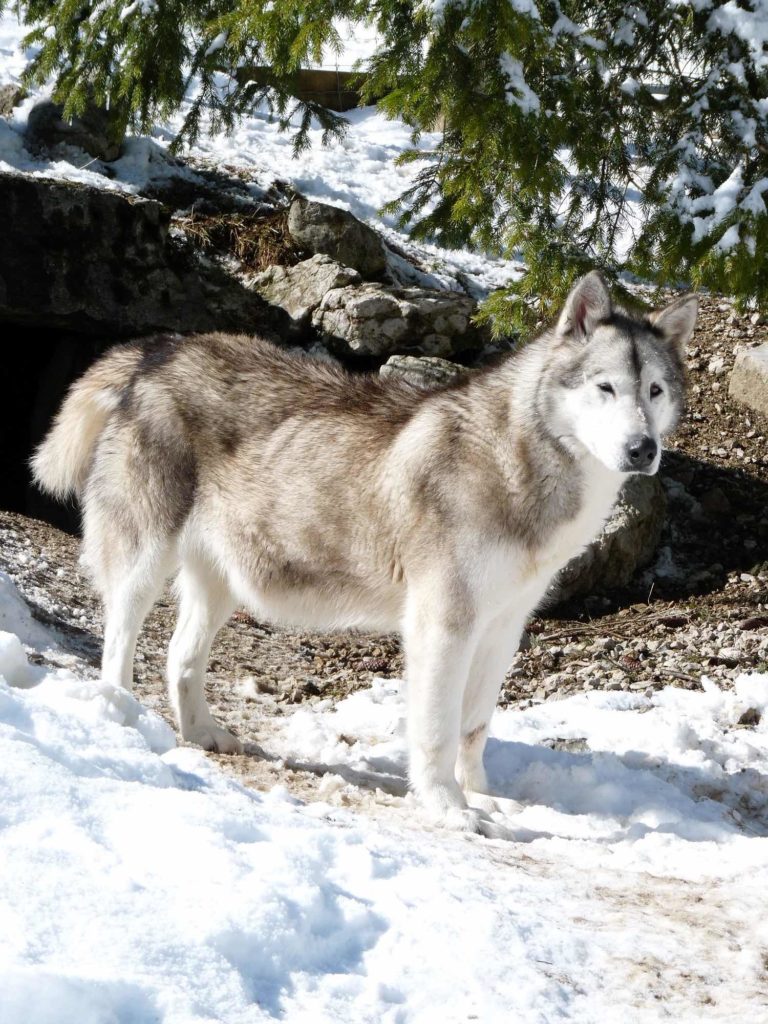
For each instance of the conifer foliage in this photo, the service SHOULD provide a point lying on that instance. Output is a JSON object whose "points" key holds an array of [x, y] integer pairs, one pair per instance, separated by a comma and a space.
{"points": [[576, 133]]}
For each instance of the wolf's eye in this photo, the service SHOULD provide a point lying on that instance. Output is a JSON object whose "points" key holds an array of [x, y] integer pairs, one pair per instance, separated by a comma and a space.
{"points": [[607, 388], [655, 390]]}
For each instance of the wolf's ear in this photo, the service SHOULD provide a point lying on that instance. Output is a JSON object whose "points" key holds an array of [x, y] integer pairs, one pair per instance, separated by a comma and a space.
{"points": [[587, 304], [677, 320]]}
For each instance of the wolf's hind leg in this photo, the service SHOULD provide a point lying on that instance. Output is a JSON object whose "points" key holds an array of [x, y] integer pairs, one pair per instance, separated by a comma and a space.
{"points": [[492, 658], [130, 583], [205, 604]]}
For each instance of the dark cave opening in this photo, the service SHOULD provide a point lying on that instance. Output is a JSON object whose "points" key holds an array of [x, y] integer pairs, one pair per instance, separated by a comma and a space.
{"points": [[42, 364]]}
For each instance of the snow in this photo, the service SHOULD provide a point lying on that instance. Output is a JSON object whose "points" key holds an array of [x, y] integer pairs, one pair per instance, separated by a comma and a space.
{"points": [[142, 884], [564, 25], [722, 202], [754, 203], [630, 85], [526, 7], [217, 44], [12, 55], [729, 239], [750, 26], [358, 44], [644, 767], [624, 32], [437, 8], [518, 91], [16, 618]]}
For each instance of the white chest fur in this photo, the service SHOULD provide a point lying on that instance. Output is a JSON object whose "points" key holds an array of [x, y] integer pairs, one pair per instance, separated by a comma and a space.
{"points": [[516, 579], [599, 492]]}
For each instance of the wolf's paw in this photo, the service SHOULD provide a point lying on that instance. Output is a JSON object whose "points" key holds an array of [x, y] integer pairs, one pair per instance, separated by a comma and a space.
{"points": [[483, 801], [473, 820], [494, 804], [457, 819], [212, 737], [494, 830]]}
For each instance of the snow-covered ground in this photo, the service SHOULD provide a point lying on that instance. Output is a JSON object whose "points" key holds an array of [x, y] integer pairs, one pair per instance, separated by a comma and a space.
{"points": [[139, 883]]}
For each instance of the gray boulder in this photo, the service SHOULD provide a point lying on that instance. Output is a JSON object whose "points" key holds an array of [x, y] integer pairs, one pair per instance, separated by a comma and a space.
{"points": [[628, 542], [300, 289], [424, 371], [379, 320], [11, 96], [97, 131], [322, 229], [749, 378], [98, 261]]}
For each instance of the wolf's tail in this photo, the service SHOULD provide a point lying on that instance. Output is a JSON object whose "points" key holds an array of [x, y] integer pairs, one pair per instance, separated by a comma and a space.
{"points": [[61, 463]]}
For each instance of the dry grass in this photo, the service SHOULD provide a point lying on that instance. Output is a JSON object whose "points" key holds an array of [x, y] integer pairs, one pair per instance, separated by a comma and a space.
{"points": [[256, 241]]}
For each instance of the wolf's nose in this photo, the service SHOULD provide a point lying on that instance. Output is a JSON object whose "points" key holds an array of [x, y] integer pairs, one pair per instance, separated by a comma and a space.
{"points": [[642, 452]]}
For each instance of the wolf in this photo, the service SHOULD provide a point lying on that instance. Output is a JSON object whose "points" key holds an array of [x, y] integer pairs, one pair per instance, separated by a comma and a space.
{"points": [[313, 497]]}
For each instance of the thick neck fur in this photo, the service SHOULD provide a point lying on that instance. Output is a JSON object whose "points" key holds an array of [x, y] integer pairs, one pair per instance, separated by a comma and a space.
{"points": [[528, 479]]}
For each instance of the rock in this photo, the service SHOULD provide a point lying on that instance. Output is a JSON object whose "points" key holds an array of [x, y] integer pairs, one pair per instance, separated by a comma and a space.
{"points": [[716, 365], [97, 131], [11, 96], [715, 503], [754, 622], [327, 230], [100, 262], [749, 378], [299, 290], [425, 371], [750, 717], [379, 320], [627, 542]]}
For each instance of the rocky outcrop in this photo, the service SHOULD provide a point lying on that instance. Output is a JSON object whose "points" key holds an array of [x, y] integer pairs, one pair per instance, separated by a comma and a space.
{"points": [[96, 131], [103, 261], [300, 289], [379, 320], [360, 318], [424, 371], [326, 230], [100, 261], [628, 542]]}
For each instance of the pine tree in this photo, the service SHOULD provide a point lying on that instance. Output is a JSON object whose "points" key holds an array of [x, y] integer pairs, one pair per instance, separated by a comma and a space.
{"points": [[628, 136], [613, 134]]}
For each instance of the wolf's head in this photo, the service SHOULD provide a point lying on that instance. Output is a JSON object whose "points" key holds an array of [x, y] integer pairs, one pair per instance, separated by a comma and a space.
{"points": [[617, 380]]}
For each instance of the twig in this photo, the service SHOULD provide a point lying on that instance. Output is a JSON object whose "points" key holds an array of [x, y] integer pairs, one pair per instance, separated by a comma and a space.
{"points": [[675, 674]]}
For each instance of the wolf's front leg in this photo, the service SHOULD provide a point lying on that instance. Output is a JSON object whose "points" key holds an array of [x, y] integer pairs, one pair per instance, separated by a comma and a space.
{"points": [[439, 644], [493, 655]]}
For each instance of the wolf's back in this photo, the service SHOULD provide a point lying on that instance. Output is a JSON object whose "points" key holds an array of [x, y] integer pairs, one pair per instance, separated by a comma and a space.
{"points": [[60, 464]]}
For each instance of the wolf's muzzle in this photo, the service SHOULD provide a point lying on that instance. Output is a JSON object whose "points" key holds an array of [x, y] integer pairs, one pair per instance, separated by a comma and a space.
{"points": [[641, 454]]}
